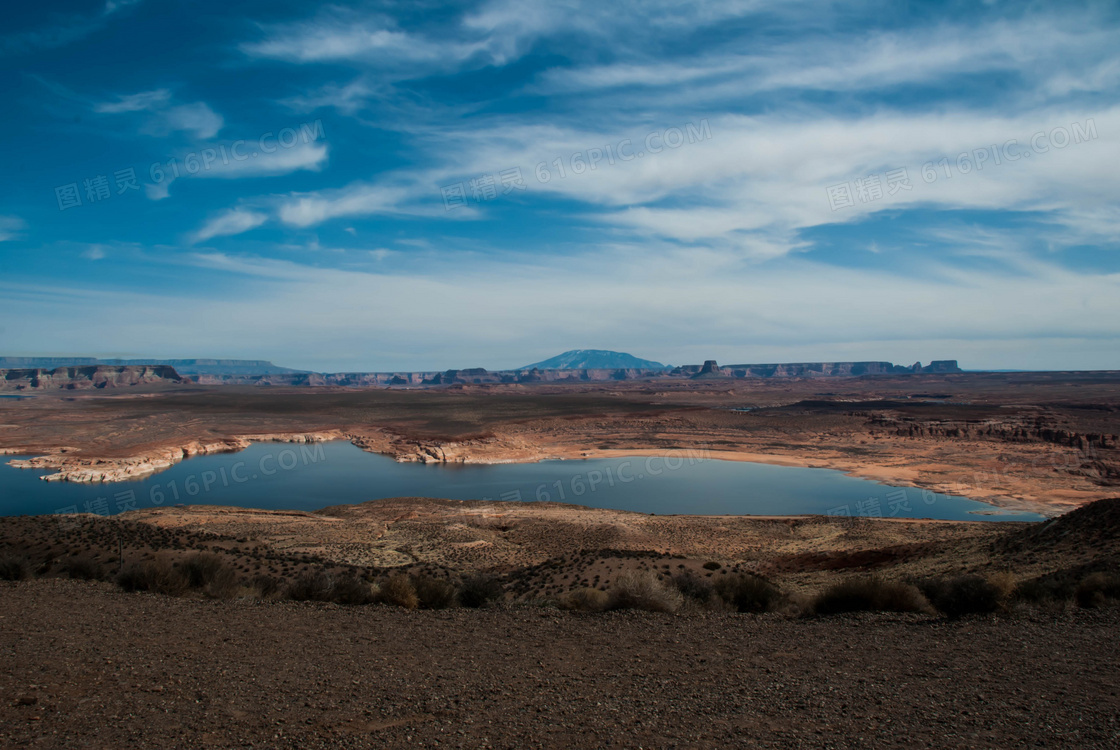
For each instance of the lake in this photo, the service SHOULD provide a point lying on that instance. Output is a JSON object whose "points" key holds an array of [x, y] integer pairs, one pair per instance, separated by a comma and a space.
{"points": [[282, 476]]}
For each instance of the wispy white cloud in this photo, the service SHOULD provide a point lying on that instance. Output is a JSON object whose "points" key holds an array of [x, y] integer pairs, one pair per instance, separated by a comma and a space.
{"points": [[311, 156], [144, 101], [10, 227], [1049, 49], [164, 117], [491, 312], [347, 99], [195, 118], [402, 196], [158, 191], [340, 35], [233, 221], [758, 181], [498, 32]]}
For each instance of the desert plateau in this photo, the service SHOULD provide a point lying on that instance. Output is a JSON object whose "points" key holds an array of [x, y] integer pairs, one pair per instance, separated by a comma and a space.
{"points": [[567, 375], [469, 623]]}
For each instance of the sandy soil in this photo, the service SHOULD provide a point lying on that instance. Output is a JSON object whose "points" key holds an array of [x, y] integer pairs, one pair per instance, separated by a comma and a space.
{"points": [[91, 667]]}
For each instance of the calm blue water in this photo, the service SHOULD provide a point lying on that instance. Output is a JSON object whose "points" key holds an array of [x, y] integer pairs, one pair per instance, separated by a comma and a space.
{"points": [[309, 477]]}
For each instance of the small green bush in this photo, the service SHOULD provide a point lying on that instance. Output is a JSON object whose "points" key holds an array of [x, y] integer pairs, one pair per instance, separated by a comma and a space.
{"points": [[435, 593], [479, 590], [748, 593], [869, 595], [712, 565], [644, 591]]}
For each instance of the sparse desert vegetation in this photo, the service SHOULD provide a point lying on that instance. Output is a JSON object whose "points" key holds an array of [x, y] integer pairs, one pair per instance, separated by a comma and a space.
{"points": [[985, 569]]}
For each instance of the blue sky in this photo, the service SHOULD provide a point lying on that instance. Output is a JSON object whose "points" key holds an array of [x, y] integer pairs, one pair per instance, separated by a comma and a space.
{"points": [[391, 186]]}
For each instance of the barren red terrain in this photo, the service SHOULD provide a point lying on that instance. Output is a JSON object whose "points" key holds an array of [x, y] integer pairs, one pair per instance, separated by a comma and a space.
{"points": [[90, 664]]}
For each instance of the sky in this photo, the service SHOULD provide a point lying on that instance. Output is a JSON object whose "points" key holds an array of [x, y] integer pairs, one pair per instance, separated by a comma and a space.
{"points": [[421, 186]]}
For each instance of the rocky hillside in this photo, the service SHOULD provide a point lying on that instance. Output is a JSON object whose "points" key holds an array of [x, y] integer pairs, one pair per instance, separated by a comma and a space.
{"points": [[477, 375], [711, 369], [85, 378], [218, 367]]}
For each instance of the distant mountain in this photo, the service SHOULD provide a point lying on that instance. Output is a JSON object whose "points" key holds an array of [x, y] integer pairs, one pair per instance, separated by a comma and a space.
{"points": [[595, 359], [218, 367]]}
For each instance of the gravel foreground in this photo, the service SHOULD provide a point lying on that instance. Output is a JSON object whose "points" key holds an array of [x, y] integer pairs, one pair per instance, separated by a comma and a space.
{"points": [[85, 665]]}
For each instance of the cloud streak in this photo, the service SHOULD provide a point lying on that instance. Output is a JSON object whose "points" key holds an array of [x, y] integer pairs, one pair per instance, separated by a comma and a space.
{"points": [[164, 117], [234, 221], [500, 308]]}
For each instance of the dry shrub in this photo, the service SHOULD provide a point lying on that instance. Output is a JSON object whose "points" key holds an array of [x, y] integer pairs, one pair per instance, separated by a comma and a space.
{"points": [[156, 576], [869, 594], [963, 595], [209, 574], [352, 590], [749, 593], [434, 593], [323, 586], [1005, 584], [1047, 591], [644, 591], [83, 568], [694, 587], [584, 599], [1096, 589], [265, 586], [479, 590], [399, 591], [13, 568], [312, 586], [712, 565]]}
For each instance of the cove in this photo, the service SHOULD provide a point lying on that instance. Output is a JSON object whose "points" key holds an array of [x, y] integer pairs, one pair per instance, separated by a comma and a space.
{"points": [[281, 476]]}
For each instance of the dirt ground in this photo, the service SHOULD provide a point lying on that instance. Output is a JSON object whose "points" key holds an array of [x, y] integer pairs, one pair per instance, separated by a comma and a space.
{"points": [[88, 666]]}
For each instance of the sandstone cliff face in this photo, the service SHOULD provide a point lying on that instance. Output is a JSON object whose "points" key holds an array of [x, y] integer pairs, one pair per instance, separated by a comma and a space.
{"points": [[710, 369], [84, 378], [107, 376], [479, 376]]}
